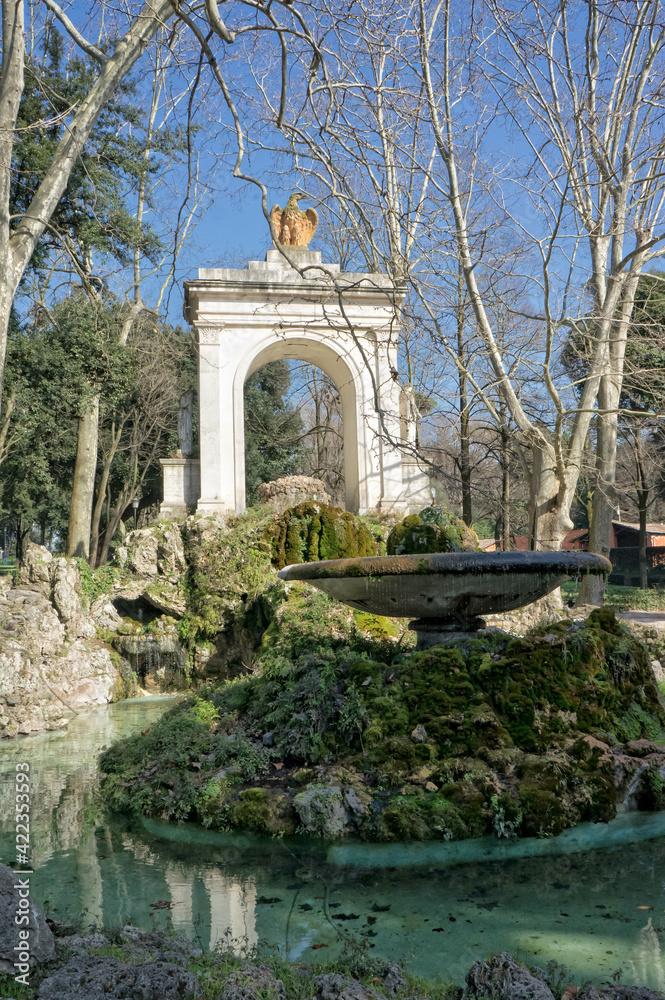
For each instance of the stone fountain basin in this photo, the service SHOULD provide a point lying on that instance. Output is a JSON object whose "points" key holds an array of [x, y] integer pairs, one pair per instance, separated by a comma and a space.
{"points": [[439, 585]]}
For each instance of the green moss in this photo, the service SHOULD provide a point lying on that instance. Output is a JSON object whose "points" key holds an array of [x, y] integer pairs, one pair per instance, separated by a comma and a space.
{"points": [[312, 531], [431, 530], [230, 586], [515, 730]]}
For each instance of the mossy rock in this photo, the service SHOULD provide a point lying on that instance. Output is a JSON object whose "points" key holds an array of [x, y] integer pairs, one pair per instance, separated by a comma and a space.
{"points": [[503, 735], [431, 530], [312, 531]]}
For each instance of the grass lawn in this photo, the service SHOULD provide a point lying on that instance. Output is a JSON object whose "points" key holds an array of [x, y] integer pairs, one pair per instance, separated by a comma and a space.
{"points": [[623, 598]]}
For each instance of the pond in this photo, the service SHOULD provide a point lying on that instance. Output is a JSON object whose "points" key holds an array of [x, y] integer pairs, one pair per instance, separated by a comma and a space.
{"points": [[437, 908]]}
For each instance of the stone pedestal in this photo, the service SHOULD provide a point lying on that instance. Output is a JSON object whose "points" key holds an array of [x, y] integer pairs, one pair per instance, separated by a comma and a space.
{"points": [[182, 486]]}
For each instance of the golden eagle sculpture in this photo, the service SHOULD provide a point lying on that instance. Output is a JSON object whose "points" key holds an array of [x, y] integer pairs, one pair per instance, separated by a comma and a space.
{"points": [[293, 227]]}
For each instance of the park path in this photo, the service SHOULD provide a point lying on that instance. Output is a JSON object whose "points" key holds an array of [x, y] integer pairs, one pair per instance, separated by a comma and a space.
{"points": [[655, 619]]}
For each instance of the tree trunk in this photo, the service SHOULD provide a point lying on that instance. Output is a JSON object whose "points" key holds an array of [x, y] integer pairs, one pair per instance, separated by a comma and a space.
{"points": [[116, 434], [644, 568], [83, 489], [643, 507], [549, 504], [11, 90], [464, 416], [592, 590], [505, 488]]}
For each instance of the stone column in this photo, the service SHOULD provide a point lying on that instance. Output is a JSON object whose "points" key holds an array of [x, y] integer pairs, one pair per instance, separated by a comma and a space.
{"points": [[216, 437]]}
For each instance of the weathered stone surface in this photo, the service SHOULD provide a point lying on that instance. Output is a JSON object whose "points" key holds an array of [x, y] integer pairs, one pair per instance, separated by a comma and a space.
{"points": [[392, 979], [67, 589], [31, 621], [292, 490], [321, 810], [332, 986], [250, 982], [166, 597], [142, 546], [110, 979], [544, 611], [104, 614], [505, 979], [43, 681], [139, 945], [35, 571], [170, 551], [68, 601], [42, 947], [609, 991]]}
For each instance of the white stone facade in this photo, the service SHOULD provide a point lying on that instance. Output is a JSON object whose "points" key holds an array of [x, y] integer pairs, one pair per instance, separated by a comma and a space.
{"points": [[267, 312]]}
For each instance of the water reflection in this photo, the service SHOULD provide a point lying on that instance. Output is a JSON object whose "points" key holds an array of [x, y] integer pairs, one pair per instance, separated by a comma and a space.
{"points": [[595, 911]]}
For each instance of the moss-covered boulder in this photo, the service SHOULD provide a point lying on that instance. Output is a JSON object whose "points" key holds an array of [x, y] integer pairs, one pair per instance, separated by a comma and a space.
{"points": [[343, 732], [312, 531], [433, 529]]}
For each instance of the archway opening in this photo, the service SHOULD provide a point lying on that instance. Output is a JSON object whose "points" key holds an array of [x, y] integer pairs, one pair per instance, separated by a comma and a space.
{"points": [[294, 425]]}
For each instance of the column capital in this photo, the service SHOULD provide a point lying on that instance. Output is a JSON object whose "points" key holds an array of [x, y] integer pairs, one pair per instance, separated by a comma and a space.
{"points": [[207, 333]]}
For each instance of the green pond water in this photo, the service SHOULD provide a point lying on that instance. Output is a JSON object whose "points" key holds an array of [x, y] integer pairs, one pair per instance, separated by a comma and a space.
{"points": [[593, 900]]}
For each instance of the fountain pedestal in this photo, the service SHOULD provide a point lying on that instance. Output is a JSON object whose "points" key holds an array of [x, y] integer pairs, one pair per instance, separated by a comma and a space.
{"points": [[442, 631]]}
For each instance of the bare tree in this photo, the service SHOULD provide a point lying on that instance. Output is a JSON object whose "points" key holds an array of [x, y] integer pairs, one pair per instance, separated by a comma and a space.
{"points": [[397, 132]]}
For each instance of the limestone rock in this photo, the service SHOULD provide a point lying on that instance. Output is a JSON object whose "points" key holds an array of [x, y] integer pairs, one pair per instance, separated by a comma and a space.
{"points": [[166, 597], [40, 693], [35, 570], [42, 947], [156, 551], [142, 545], [292, 490], [544, 611], [31, 621], [110, 979], [392, 978], [505, 979], [67, 599], [120, 556], [332, 986], [170, 551], [104, 614], [611, 992], [419, 734], [250, 982], [658, 671], [67, 589], [321, 810]]}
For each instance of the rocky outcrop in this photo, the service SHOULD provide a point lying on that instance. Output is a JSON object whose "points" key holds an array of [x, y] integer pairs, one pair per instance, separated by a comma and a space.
{"points": [[51, 663], [41, 944], [251, 982], [152, 565], [111, 979], [502, 978], [292, 490]]}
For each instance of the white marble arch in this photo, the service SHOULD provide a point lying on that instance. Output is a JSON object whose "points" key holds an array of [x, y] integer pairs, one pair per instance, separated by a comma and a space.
{"points": [[340, 366], [268, 312]]}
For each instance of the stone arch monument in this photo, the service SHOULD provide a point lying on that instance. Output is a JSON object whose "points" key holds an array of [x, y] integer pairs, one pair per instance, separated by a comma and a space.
{"points": [[266, 312]]}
